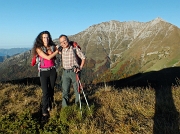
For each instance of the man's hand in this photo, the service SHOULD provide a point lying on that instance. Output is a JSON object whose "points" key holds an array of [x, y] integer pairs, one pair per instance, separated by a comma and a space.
{"points": [[76, 70]]}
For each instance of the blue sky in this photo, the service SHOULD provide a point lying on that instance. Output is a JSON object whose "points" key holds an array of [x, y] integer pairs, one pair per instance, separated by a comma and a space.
{"points": [[22, 20]]}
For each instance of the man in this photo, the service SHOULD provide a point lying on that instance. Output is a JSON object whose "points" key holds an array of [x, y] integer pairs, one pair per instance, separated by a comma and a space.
{"points": [[70, 68]]}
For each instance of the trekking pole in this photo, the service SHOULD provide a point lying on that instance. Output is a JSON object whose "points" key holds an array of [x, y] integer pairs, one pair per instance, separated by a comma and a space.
{"points": [[80, 85], [79, 93], [80, 103]]}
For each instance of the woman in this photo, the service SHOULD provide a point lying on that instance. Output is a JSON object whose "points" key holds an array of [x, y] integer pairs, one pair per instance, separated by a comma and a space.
{"points": [[46, 51]]}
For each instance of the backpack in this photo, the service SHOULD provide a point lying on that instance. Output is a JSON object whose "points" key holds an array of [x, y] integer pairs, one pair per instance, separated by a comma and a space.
{"points": [[36, 59], [74, 44]]}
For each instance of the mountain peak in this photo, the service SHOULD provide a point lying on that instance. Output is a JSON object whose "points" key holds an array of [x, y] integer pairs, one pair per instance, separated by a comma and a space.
{"points": [[158, 19]]}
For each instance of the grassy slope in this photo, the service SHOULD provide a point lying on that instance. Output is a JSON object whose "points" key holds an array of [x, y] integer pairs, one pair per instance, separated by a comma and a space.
{"points": [[112, 111]]}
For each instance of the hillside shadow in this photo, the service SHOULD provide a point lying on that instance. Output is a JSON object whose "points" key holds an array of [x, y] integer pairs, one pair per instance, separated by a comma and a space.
{"points": [[25, 81], [166, 115]]}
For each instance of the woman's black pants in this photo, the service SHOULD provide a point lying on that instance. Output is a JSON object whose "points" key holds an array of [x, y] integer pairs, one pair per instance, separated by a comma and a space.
{"points": [[47, 79]]}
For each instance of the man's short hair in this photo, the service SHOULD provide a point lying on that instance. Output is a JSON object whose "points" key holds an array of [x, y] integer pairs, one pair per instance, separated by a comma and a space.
{"points": [[64, 36]]}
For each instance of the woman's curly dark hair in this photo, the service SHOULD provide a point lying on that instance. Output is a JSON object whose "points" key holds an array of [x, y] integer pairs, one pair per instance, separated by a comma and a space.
{"points": [[38, 43]]}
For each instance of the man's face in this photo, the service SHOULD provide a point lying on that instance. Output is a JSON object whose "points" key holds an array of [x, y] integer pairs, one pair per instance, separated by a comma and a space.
{"points": [[63, 42]]}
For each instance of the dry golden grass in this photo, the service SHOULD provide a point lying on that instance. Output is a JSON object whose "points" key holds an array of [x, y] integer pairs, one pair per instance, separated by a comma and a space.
{"points": [[126, 111], [15, 98]]}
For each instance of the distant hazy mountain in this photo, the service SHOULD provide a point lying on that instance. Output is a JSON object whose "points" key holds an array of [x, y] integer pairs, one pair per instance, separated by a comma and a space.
{"points": [[114, 50], [2, 58], [6, 53], [12, 51]]}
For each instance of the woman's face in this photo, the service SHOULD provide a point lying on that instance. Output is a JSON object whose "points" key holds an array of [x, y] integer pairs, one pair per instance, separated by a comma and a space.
{"points": [[45, 39]]}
